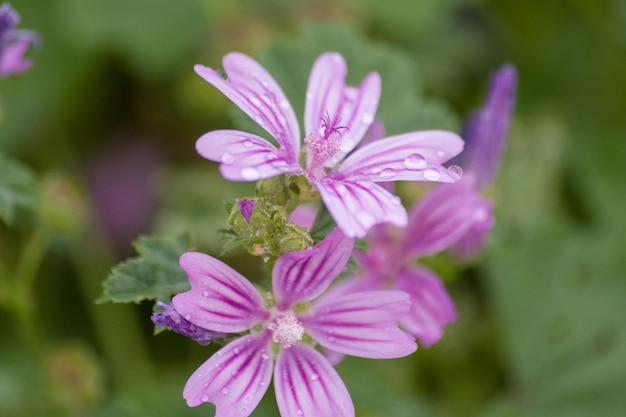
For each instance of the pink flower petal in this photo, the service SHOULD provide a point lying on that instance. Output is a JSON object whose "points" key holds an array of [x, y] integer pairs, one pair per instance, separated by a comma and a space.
{"points": [[307, 385], [361, 324], [304, 275], [443, 216], [12, 58], [431, 308], [220, 298], [244, 156], [356, 206], [235, 378], [326, 83], [254, 90], [475, 239], [415, 156]]}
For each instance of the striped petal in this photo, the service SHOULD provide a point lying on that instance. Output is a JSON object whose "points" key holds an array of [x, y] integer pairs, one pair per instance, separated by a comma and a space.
{"points": [[361, 324], [415, 156], [235, 378], [444, 216], [254, 90], [431, 307], [356, 206], [308, 386], [244, 156], [304, 275], [220, 299]]}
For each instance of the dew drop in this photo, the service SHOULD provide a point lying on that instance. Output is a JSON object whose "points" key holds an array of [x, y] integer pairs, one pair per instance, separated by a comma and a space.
{"points": [[440, 153], [187, 317], [367, 118], [262, 384], [255, 101], [455, 171], [204, 294], [264, 357], [284, 104], [250, 174], [396, 200], [247, 143], [309, 95], [234, 372], [244, 411], [247, 399], [415, 161], [227, 158], [224, 391], [366, 220], [220, 353], [387, 173], [432, 174], [341, 189], [314, 377], [236, 351], [299, 412], [204, 398]]}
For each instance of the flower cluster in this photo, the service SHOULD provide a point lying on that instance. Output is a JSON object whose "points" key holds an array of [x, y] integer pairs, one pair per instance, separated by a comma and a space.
{"points": [[13, 43], [273, 334]]}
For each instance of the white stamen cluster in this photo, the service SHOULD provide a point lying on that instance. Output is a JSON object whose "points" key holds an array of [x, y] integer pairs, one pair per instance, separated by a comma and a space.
{"points": [[286, 330]]}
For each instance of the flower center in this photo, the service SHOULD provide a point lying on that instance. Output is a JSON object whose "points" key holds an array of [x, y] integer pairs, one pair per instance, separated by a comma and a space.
{"points": [[286, 330], [323, 146]]}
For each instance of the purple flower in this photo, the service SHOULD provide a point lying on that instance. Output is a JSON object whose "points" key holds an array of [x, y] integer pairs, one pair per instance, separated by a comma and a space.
{"points": [[247, 207], [237, 376], [485, 130], [169, 317], [439, 220], [13, 43], [336, 118], [485, 133]]}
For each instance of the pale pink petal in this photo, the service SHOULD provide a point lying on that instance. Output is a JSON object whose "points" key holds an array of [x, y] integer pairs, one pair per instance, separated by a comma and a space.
{"points": [[254, 90], [443, 216], [358, 109], [307, 385], [431, 308], [304, 275], [361, 324], [326, 83], [359, 283], [356, 206], [244, 156], [415, 156], [304, 215], [235, 378], [475, 239], [12, 58], [220, 299]]}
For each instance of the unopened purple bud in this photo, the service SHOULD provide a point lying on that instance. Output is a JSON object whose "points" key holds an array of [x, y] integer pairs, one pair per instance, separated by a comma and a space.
{"points": [[486, 129], [169, 317], [246, 207]]}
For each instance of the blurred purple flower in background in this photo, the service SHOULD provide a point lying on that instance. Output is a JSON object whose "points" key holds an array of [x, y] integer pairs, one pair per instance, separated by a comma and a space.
{"points": [[281, 328], [336, 118], [13, 43], [485, 133]]}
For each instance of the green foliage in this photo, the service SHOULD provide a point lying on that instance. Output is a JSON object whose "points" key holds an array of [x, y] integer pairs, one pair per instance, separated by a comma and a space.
{"points": [[18, 188], [154, 275]]}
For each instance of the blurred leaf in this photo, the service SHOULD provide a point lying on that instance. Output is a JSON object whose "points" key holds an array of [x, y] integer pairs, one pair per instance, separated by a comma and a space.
{"points": [[18, 188], [154, 275]]}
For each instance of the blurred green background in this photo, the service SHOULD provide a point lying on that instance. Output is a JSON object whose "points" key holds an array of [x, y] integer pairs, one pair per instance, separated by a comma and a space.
{"points": [[105, 124]]}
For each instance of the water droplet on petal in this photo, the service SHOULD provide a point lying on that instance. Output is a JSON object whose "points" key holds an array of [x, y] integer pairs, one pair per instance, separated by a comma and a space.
{"points": [[220, 353], [314, 377], [309, 95], [204, 398], [250, 174], [234, 372], [367, 220], [367, 118], [244, 411], [432, 174], [227, 158], [341, 189], [455, 171], [247, 143], [299, 412], [264, 357], [396, 200], [236, 351], [247, 399], [224, 391], [284, 104], [187, 317], [415, 161], [255, 101], [387, 173], [440, 153], [204, 294]]}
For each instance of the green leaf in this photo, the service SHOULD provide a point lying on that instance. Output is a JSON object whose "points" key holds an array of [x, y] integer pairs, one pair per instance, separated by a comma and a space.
{"points": [[154, 275], [18, 188]]}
